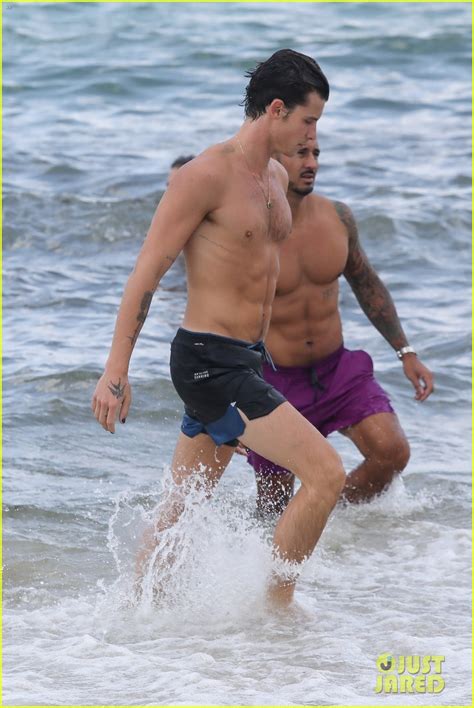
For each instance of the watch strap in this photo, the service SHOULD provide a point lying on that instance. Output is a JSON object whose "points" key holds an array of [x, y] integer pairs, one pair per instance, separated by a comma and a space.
{"points": [[404, 350]]}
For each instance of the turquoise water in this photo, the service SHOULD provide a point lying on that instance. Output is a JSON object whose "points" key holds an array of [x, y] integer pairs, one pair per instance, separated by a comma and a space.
{"points": [[98, 100]]}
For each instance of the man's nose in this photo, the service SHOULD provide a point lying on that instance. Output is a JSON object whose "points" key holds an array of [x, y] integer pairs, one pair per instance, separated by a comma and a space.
{"points": [[311, 134], [311, 162]]}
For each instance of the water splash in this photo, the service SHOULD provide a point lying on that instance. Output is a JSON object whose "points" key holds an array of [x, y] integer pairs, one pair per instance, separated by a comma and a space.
{"points": [[212, 566]]}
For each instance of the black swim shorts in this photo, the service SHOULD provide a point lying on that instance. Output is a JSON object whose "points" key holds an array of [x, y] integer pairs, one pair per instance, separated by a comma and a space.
{"points": [[216, 375]]}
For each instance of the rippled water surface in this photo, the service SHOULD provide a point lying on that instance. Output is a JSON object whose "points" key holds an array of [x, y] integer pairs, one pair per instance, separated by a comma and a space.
{"points": [[98, 100]]}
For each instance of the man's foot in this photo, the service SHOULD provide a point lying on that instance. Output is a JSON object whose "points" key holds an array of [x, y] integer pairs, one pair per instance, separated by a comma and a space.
{"points": [[280, 595]]}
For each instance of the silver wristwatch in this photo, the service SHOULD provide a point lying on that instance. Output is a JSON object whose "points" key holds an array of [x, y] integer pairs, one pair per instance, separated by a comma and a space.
{"points": [[404, 350]]}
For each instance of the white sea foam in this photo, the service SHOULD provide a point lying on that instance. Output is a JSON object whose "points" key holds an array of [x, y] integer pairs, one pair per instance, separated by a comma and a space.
{"points": [[374, 584]]}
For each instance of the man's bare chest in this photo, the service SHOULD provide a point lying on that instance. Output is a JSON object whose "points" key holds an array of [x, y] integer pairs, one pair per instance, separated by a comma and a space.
{"points": [[245, 216], [312, 256]]}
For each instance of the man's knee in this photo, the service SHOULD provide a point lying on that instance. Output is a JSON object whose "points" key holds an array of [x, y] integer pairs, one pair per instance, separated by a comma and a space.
{"points": [[326, 476], [402, 454], [394, 454], [335, 474]]}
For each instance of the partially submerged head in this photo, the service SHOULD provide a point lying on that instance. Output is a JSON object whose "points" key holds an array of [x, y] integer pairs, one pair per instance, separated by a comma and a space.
{"points": [[290, 90], [176, 164]]}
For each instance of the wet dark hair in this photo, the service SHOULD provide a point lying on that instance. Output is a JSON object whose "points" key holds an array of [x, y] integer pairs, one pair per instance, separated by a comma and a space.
{"points": [[182, 160], [287, 75]]}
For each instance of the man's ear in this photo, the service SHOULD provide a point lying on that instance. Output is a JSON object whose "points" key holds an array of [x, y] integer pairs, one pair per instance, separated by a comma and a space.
{"points": [[276, 109]]}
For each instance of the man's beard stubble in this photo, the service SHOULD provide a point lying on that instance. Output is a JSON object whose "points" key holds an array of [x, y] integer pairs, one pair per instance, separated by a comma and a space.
{"points": [[301, 191]]}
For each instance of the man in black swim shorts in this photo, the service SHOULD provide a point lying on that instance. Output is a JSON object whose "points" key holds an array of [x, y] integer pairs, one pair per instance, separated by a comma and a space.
{"points": [[227, 210], [208, 371]]}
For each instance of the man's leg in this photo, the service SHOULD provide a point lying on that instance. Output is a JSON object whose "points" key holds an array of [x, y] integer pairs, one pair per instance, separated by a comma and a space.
{"points": [[286, 438], [383, 444], [198, 463]]}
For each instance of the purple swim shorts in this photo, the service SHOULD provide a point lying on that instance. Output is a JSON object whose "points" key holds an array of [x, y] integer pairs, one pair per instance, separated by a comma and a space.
{"points": [[334, 393]]}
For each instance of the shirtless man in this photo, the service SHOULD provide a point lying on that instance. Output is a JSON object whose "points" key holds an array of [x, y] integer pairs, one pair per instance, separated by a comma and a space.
{"points": [[332, 387], [227, 209]]}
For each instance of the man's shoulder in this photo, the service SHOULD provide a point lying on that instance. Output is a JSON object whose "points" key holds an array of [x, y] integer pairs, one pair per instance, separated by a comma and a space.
{"points": [[213, 160], [334, 208], [206, 170], [280, 172], [330, 208], [329, 203], [218, 157]]}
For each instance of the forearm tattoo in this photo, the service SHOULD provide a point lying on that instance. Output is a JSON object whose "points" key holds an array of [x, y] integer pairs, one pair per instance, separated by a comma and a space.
{"points": [[117, 389], [148, 297], [371, 293], [141, 317]]}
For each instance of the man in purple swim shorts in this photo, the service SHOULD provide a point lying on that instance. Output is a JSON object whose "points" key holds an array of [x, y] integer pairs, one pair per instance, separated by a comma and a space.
{"points": [[334, 388]]}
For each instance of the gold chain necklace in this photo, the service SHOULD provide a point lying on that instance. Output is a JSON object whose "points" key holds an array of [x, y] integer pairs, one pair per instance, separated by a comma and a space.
{"points": [[268, 200]]}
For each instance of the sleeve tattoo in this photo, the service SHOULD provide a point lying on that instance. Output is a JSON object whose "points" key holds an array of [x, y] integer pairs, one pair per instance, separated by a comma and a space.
{"points": [[372, 295]]}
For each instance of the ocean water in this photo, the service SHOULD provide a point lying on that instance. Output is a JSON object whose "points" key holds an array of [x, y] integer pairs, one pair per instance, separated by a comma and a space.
{"points": [[98, 100]]}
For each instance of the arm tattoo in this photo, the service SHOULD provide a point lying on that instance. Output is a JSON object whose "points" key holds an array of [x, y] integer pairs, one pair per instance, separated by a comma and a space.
{"points": [[148, 297], [372, 295], [116, 389], [141, 317]]}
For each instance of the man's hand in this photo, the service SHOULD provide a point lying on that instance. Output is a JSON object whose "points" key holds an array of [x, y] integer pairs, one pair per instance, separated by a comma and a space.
{"points": [[112, 398], [420, 376]]}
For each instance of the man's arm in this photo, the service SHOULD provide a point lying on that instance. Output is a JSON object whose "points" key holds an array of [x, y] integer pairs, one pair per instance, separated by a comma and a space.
{"points": [[376, 301], [192, 194]]}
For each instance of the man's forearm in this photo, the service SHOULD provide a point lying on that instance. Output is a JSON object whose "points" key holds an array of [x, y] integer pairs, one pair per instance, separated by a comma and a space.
{"points": [[373, 296], [133, 311], [130, 319], [377, 304]]}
